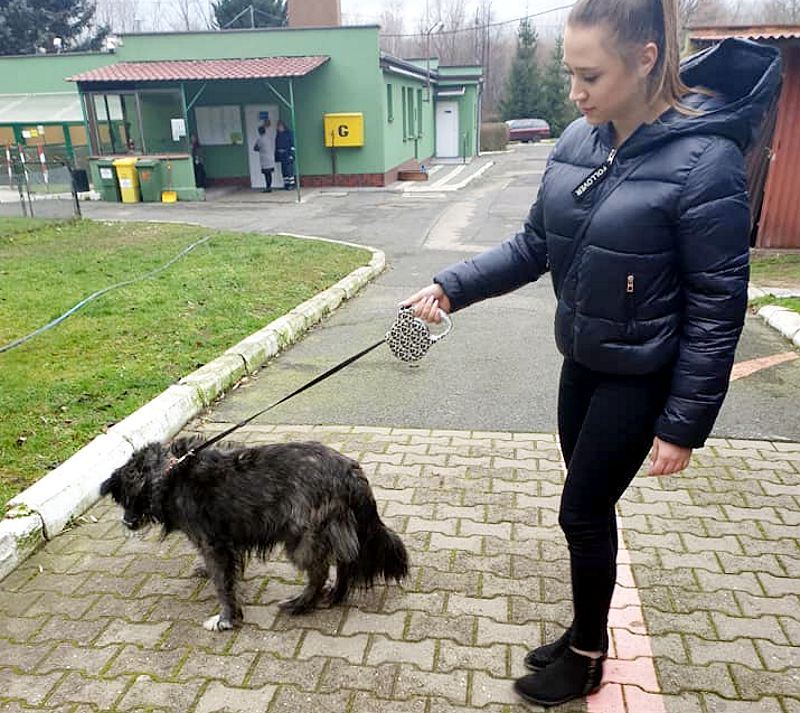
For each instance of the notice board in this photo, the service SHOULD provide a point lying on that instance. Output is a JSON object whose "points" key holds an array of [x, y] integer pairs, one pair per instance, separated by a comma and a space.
{"points": [[218, 125]]}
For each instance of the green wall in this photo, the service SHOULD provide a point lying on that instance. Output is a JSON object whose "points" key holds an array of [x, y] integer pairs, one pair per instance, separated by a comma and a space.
{"points": [[47, 73], [400, 147], [350, 82]]}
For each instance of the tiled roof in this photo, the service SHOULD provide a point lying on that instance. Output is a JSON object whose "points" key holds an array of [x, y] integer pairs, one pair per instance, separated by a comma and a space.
{"points": [[752, 32], [203, 69]]}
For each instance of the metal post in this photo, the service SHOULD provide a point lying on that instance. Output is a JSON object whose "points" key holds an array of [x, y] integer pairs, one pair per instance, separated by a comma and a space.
{"points": [[296, 151]]}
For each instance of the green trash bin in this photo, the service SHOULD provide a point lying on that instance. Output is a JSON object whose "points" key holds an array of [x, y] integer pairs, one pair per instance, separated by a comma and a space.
{"points": [[108, 188], [151, 179]]}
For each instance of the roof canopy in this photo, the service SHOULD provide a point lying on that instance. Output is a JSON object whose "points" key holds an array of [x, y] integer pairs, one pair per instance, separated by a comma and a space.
{"points": [[40, 108], [185, 70], [752, 32]]}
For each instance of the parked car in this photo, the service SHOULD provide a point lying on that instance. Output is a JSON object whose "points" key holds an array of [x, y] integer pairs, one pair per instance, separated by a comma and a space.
{"points": [[526, 130]]}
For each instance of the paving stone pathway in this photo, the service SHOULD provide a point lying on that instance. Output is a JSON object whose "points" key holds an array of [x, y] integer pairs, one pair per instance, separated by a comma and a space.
{"points": [[706, 617]]}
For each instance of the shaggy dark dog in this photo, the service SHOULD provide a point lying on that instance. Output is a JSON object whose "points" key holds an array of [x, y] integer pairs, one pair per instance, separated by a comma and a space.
{"points": [[236, 502]]}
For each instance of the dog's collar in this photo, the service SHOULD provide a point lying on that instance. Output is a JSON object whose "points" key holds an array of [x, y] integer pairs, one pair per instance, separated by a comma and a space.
{"points": [[173, 462]]}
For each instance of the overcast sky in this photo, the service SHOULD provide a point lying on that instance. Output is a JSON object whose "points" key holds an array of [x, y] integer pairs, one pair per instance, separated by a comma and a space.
{"points": [[361, 11]]}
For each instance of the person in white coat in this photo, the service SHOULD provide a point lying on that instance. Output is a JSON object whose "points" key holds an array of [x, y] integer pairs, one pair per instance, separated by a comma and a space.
{"points": [[265, 146]]}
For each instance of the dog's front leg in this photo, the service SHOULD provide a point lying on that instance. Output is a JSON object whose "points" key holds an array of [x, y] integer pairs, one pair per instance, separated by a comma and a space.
{"points": [[223, 568]]}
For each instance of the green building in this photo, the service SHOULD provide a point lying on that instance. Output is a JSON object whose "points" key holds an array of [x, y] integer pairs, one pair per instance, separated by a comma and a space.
{"points": [[359, 116]]}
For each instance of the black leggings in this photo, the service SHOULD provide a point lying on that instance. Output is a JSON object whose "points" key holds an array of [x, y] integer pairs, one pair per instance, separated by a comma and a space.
{"points": [[606, 425]]}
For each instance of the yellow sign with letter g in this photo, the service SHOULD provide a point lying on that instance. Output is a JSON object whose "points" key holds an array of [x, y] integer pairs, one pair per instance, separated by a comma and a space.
{"points": [[343, 129]]}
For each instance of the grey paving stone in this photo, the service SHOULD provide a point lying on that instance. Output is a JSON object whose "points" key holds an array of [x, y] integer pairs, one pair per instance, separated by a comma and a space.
{"points": [[290, 700], [366, 703], [147, 693], [384, 650], [58, 629], [758, 684], [134, 660], [25, 657], [219, 698], [454, 657], [752, 606], [303, 675], [412, 683], [741, 650], [88, 660], [779, 658], [712, 678], [351, 648], [459, 628], [763, 627], [77, 688], [30, 689], [378, 680], [715, 704]]}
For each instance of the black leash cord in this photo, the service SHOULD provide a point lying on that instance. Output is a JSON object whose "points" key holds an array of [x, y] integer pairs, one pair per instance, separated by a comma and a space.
{"points": [[316, 380]]}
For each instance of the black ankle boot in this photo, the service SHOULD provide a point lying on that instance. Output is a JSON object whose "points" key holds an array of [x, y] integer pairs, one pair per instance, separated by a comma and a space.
{"points": [[569, 676], [538, 658]]}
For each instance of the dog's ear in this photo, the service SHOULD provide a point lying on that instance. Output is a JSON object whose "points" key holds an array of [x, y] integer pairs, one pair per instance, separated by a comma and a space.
{"points": [[110, 485]]}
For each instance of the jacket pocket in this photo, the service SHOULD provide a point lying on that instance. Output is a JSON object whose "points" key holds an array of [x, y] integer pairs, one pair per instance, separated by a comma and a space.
{"points": [[625, 287]]}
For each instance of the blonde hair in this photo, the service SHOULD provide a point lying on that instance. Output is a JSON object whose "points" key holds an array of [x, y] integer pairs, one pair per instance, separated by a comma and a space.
{"points": [[637, 22]]}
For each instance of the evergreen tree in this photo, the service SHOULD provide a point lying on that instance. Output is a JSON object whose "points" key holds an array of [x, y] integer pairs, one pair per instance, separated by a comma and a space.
{"points": [[557, 109], [523, 89], [265, 13], [27, 25]]}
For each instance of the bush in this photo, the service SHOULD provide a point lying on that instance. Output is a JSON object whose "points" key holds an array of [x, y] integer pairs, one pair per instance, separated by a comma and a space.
{"points": [[494, 136]]}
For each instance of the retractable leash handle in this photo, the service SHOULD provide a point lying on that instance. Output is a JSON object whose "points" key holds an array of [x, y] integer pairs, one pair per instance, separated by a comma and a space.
{"points": [[410, 338]]}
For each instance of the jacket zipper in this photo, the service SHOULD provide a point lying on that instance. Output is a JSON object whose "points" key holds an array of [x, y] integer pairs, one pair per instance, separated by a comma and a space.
{"points": [[630, 302]]}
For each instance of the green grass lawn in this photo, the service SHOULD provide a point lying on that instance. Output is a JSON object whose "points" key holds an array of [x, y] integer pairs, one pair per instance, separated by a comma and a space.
{"points": [[776, 271], [63, 388]]}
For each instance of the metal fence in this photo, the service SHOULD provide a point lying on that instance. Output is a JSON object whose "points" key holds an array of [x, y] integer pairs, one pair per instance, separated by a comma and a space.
{"points": [[35, 185]]}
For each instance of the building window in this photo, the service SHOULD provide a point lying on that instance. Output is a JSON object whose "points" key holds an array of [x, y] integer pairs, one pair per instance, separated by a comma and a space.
{"points": [[419, 112], [410, 123], [389, 102], [405, 112]]}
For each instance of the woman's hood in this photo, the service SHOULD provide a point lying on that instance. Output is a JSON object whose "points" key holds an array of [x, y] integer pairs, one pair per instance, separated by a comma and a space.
{"points": [[742, 78]]}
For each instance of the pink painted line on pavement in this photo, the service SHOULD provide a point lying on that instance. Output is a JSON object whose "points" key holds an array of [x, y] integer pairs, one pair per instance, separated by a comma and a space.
{"points": [[746, 368], [630, 684]]}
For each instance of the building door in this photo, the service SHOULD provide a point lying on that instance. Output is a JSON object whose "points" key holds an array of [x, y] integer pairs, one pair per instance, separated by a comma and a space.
{"points": [[447, 129], [254, 116]]}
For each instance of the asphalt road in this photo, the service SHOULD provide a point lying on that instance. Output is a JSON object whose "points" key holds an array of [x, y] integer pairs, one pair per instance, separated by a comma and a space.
{"points": [[498, 370]]}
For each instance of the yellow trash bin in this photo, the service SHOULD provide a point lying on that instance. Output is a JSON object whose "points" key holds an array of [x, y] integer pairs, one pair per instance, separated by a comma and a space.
{"points": [[128, 179]]}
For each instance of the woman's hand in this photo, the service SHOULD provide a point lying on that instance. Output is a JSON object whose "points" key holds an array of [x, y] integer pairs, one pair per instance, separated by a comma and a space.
{"points": [[666, 458], [427, 303]]}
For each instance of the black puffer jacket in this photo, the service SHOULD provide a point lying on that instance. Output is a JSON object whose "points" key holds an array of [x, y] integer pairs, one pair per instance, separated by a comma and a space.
{"points": [[660, 276]]}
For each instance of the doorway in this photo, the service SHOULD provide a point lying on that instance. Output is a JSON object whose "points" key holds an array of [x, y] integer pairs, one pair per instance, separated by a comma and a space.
{"points": [[254, 116], [447, 130]]}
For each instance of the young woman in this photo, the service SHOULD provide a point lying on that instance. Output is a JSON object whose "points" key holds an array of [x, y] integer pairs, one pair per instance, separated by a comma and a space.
{"points": [[265, 147], [642, 218]]}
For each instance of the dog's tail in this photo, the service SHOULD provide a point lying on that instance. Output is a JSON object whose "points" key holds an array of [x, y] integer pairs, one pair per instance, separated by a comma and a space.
{"points": [[381, 553], [382, 556]]}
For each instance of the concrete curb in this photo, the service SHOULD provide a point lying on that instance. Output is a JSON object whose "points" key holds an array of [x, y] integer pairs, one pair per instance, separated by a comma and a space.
{"points": [[47, 507], [785, 320]]}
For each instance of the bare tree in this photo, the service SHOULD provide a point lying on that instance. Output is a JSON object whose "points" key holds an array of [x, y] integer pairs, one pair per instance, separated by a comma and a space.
{"points": [[392, 24], [120, 15], [782, 11], [190, 15], [686, 11]]}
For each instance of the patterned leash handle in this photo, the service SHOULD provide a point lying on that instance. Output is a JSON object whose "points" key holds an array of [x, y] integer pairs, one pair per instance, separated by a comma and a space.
{"points": [[410, 338]]}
